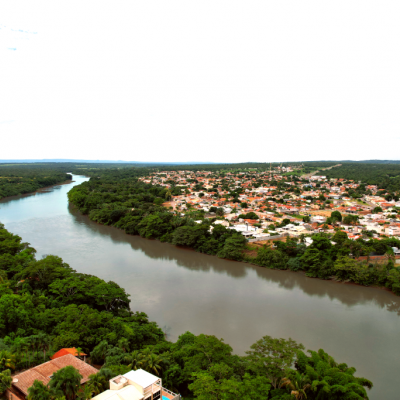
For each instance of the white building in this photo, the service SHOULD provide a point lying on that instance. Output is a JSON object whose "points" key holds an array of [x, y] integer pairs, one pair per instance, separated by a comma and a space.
{"points": [[392, 231], [137, 385], [318, 218]]}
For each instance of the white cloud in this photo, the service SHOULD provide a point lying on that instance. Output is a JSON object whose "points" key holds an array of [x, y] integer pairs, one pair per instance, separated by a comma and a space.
{"points": [[202, 80]]}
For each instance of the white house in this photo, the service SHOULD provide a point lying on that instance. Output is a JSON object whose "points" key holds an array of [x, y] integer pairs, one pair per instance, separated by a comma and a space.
{"points": [[392, 231], [318, 218], [137, 385]]}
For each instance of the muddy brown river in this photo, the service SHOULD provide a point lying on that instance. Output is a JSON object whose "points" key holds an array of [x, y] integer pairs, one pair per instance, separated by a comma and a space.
{"points": [[186, 291]]}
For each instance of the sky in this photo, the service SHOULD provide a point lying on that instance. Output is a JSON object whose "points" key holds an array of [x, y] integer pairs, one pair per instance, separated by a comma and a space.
{"points": [[220, 81]]}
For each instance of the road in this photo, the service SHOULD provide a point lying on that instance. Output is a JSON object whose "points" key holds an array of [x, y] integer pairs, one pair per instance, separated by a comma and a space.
{"points": [[307, 176]]}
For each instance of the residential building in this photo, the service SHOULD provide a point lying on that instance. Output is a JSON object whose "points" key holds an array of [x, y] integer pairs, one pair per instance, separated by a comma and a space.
{"points": [[72, 351], [23, 381], [137, 385]]}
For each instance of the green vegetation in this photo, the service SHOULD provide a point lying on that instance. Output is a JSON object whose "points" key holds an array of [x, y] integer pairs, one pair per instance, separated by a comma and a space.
{"points": [[15, 180], [46, 305], [116, 197], [385, 176], [119, 199], [325, 260]]}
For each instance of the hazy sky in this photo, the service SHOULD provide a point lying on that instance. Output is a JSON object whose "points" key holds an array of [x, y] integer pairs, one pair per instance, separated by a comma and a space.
{"points": [[200, 80]]}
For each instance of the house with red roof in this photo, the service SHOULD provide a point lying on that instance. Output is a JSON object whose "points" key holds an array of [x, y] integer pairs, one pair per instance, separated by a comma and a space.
{"points": [[23, 381], [73, 351]]}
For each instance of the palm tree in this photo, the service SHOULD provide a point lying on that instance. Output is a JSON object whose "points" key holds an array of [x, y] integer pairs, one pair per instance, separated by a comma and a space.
{"points": [[134, 359], [298, 383], [107, 373], [86, 393], [43, 342], [153, 363], [25, 347], [79, 351], [5, 380], [7, 360], [33, 343], [150, 361], [39, 391], [67, 380], [97, 383]]}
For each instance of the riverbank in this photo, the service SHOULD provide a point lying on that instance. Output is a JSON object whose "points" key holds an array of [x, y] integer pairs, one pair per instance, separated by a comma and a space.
{"points": [[184, 290], [64, 182], [251, 256]]}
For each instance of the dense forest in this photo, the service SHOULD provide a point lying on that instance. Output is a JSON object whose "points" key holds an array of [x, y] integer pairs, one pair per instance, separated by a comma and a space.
{"points": [[116, 197], [45, 305], [18, 179], [386, 176]]}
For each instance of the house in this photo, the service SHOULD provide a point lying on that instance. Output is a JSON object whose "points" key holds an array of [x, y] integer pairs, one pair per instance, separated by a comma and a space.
{"points": [[318, 218], [392, 231], [137, 385], [66, 351], [43, 372]]}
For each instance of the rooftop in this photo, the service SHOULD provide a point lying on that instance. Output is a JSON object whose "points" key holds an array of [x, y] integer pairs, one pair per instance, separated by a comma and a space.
{"points": [[44, 371], [141, 377]]}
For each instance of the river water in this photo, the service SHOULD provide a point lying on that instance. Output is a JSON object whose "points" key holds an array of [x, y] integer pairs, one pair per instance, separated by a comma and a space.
{"points": [[186, 291]]}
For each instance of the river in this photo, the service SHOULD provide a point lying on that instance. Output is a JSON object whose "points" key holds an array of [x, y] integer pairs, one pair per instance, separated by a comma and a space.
{"points": [[186, 291]]}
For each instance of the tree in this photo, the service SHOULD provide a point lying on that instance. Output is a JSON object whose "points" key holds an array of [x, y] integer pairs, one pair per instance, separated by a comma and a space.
{"points": [[67, 380], [201, 352], [377, 210], [298, 383], [43, 272], [271, 357], [44, 343], [5, 380], [249, 215], [317, 263], [188, 235], [3, 277], [151, 362], [306, 219], [220, 212], [99, 352], [347, 268], [233, 247], [266, 257], [123, 343], [217, 383], [340, 237], [97, 383], [135, 360], [330, 380], [7, 360], [350, 219], [39, 391], [168, 195], [337, 215], [243, 205]]}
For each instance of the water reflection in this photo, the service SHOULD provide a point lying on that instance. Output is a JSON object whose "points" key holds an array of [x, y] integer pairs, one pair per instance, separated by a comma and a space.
{"points": [[185, 290], [347, 294]]}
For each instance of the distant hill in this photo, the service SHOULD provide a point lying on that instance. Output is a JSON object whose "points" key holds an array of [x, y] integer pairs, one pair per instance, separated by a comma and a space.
{"points": [[66, 160], [155, 163]]}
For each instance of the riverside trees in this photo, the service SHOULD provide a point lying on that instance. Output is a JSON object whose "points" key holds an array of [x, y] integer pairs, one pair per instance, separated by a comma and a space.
{"points": [[117, 197], [46, 305], [19, 179]]}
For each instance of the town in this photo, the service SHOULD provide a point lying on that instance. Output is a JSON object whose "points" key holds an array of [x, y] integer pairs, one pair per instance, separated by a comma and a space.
{"points": [[262, 205]]}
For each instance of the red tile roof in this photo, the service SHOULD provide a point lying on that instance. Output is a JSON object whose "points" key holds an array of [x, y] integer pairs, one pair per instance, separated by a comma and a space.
{"points": [[66, 351], [42, 372]]}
